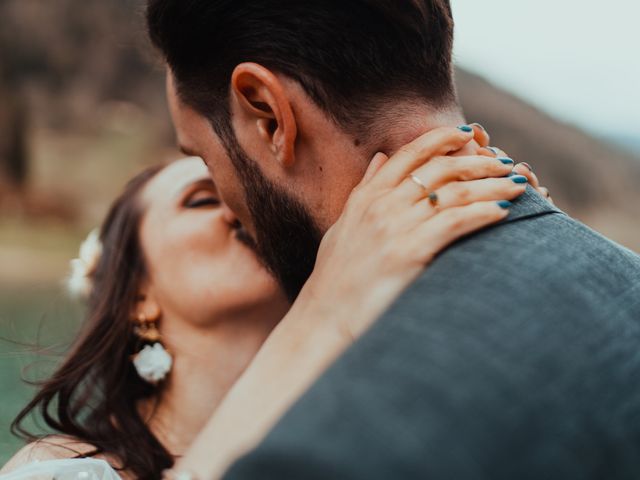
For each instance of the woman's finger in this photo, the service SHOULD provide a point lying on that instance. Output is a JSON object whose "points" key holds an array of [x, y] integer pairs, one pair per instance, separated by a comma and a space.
{"points": [[458, 194], [545, 193], [527, 171], [480, 135], [437, 142], [451, 224], [494, 152], [442, 170], [376, 163]]}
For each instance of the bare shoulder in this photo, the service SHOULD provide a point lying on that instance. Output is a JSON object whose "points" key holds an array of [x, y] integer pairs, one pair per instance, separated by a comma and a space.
{"points": [[53, 447]]}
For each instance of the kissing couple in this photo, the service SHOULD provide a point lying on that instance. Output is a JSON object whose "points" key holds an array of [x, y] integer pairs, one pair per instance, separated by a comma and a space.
{"points": [[355, 286]]}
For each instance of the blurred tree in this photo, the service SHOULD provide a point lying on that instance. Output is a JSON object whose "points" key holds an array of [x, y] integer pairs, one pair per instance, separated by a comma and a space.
{"points": [[60, 61], [72, 55], [13, 139], [13, 125]]}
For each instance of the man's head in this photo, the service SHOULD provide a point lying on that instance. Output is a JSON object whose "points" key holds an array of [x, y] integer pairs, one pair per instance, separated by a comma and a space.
{"points": [[287, 101]]}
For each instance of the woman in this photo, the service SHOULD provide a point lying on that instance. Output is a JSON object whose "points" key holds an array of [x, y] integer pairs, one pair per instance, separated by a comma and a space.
{"points": [[172, 262]]}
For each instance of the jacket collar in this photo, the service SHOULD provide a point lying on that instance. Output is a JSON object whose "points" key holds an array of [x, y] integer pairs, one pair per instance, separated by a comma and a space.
{"points": [[530, 204]]}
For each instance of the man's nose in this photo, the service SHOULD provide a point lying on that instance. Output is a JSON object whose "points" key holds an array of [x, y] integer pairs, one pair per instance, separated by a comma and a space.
{"points": [[229, 216]]}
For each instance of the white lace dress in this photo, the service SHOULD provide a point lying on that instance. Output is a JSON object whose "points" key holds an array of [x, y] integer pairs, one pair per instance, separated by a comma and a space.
{"points": [[66, 469]]}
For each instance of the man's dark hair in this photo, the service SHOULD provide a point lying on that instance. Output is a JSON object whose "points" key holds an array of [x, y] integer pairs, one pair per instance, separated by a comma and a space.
{"points": [[352, 57]]}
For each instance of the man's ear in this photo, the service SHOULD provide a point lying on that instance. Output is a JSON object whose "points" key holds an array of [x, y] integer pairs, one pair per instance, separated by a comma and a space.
{"points": [[263, 100]]}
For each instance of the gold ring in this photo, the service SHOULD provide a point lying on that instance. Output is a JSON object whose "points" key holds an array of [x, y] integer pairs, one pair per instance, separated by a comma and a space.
{"points": [[418, 182], [432, 196]]}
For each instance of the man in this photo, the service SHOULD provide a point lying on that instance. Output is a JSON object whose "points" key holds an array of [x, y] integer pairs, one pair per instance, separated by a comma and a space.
{"points": [[513, 356]]}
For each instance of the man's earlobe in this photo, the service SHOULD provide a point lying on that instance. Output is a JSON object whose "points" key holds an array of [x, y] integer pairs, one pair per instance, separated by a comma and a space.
{"points": [[264, 100]]}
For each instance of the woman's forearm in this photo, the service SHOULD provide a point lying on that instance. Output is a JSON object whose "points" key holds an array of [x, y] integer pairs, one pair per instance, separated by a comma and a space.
{"points": [[299, 349]]}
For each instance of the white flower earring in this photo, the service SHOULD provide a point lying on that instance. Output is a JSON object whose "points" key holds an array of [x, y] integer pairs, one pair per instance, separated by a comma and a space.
{"points": [[80, 282], [152, 362]]}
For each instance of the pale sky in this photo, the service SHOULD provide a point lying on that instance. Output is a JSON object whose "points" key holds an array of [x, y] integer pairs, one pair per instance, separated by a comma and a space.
{"points": [[577, 60]]}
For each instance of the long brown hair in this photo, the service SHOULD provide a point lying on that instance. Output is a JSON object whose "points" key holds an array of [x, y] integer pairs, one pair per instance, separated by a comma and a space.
{"points": [[93, 395]]}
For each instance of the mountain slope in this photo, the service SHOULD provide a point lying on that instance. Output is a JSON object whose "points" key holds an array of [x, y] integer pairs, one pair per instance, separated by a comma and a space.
{"points": [[589, 179]]}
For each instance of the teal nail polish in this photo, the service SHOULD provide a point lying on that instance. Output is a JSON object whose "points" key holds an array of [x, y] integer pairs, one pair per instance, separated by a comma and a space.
{"points": [[494, 150], [504, 204], [506, 160], [519, 179], [465, 128]]}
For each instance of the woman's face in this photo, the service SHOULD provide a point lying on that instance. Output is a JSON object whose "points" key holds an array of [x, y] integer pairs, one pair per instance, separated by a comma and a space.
{"points": [[198, 269]]}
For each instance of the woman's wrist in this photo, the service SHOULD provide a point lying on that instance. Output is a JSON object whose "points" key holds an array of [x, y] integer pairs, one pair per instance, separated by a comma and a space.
{"points": [[348, 308]]}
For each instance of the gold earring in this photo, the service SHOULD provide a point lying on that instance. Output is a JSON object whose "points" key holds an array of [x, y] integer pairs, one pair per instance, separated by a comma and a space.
{"points": [[153, 363], [147, 330]]}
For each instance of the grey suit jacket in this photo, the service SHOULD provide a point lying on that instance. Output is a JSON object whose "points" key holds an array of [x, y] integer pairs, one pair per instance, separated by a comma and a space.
{"points": [[516, 355]]}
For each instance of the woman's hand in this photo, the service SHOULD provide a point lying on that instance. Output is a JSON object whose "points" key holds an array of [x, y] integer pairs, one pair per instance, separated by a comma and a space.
{"points": [[481, 136], [520, 169], [405, 211]]}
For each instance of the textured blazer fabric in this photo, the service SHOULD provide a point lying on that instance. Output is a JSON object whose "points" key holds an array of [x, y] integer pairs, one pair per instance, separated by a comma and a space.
{"points": [[516, 355]]}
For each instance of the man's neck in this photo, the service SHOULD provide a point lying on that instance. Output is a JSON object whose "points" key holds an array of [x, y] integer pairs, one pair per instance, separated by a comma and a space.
{"points": [[339, 158], [406, 123]]}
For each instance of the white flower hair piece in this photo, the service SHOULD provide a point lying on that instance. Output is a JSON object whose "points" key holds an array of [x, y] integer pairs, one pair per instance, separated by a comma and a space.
{"points": [[153, 363], [79, 282]]}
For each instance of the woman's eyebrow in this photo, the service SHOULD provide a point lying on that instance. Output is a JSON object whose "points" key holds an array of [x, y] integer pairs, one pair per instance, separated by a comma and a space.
{"points": [[204, 181]]}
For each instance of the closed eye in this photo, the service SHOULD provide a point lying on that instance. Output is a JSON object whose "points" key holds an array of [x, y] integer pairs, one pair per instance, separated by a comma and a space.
{"points": [[201, 198]]}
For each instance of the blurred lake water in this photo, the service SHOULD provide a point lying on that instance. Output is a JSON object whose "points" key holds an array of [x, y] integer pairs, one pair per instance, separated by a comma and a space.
{"points": [[36, 327]]}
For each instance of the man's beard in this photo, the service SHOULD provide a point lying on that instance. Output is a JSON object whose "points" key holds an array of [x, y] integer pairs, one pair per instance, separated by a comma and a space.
{"points": [[287, 237]]}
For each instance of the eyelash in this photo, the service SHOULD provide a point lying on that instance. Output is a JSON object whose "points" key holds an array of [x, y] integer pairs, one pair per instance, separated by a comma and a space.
{"points": [[202, 202]]}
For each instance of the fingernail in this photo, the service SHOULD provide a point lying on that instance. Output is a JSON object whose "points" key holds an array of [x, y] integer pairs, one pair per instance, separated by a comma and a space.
{"points": [[527, 165], [504, 204], [506, 160], [519, 179], [465, 128], [494, 150], [479, 126]]}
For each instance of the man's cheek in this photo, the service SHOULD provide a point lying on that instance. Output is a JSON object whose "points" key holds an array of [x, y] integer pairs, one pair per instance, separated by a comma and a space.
{"points": [[225, 184], [240, 207], [232, 194]]}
